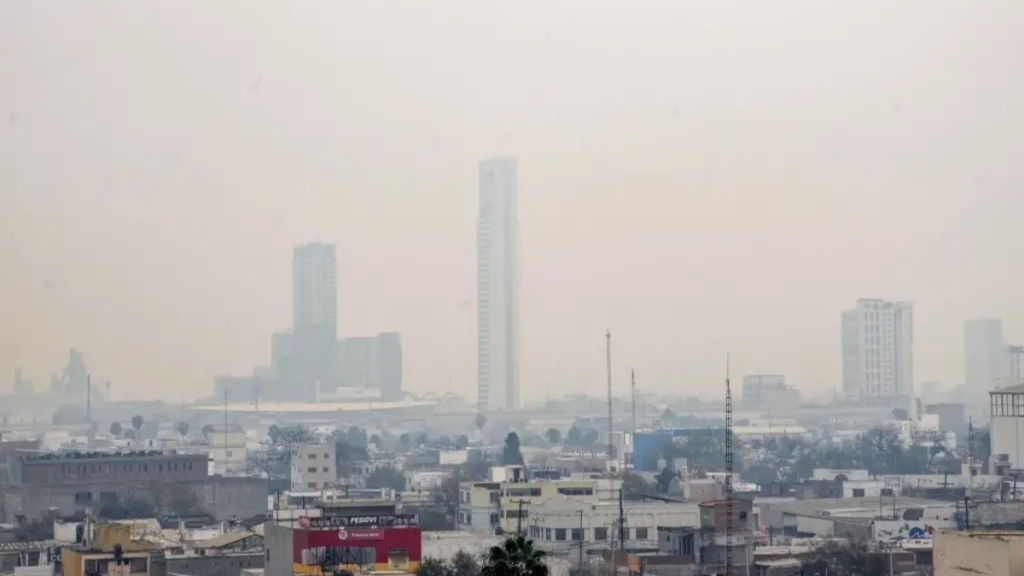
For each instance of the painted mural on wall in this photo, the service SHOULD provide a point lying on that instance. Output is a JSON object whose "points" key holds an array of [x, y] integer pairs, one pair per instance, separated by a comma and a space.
{"points": [[896, 530]]}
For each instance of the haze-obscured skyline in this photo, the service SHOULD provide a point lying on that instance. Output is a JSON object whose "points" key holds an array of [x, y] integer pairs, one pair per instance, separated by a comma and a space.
{"points": [[697, 176]]}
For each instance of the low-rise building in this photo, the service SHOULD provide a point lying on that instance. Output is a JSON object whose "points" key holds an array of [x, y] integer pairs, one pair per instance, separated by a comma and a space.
{"points": [[978, 553], [487, 506], [313, 467], [110, 551], [228, 451]]}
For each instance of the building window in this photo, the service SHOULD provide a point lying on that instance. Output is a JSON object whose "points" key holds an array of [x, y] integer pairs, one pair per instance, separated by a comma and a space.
{"points": [[327, 456], [559, 534], [577, 534], [138, 565], [311, 485], [311, 469], [600, 533], [547, 533], [312, 456], [641, 533], [325, 469], [161, 469], [494, 519], [743, 515], [858, 492], [231, 454]]}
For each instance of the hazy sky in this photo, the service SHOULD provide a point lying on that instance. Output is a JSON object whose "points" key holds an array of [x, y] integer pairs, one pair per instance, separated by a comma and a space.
{"points": [[696, 176]]}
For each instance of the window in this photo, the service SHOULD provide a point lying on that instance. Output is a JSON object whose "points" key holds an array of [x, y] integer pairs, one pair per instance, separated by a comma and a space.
{"points": [[858, 492], [641, 533], [547, 533], [559, 534], [494, 519], [312, 456], [161, 468], [325, 469], [138, 565], [311, 469], [230, 454], [576, 534], [743, 515], [327, 455], [600, 533], [311, 485]]}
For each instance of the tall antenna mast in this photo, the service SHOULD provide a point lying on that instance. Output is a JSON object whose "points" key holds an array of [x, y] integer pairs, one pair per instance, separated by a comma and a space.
{"points": [[608, 359], [728, 470], [632, 385]]}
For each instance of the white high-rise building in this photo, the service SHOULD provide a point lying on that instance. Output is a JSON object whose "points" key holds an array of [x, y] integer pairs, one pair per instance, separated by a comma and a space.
{"points": [[497, 263], [985, 354], [314, 315], [878, 350]]}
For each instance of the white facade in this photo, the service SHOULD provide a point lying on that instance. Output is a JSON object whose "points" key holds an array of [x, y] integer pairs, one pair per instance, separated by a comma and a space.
{"points": [[558, 524], [1006, 408], [498, 287], [313, 467], [878, 350], [984, 353], [228, 452]]}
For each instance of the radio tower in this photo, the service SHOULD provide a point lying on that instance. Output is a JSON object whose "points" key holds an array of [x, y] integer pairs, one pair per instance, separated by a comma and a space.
{"points": [[728, 470]]}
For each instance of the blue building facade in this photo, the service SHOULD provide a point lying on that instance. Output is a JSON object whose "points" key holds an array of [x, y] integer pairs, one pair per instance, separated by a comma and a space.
{"points": [[649, 446]]}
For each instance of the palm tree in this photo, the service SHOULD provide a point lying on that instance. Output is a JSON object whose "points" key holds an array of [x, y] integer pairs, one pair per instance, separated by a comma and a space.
{"points": [[115, 429], [516, 556]]}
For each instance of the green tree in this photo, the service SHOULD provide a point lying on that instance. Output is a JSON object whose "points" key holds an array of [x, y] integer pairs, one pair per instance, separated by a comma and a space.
{"points": [[480, 422], [633, 483], [574, 437], [405, 441], [182, 428], [515, 556], [115, 429], [208, 429], [431, 566], [462, 442], [464, 564], [511, 454], [554, 435], [386, 478], [130, 435], [137, 423], [849, 558]]}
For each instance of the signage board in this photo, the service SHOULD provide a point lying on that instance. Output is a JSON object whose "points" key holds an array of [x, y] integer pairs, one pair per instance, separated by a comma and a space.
{"points": [[367, 521], [350, 535]]}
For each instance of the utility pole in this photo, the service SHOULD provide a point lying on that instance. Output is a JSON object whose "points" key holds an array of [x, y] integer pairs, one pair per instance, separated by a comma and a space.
{"points": [[519, 516], [622, 525], [581, 541], [608, 360]]}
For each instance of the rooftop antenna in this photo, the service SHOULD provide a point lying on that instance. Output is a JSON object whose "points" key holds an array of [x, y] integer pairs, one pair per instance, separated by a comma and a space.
{"points": [[728, 470], [608, 360]]}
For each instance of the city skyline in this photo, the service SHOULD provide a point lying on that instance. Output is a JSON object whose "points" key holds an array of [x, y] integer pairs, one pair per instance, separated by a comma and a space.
{"points": [[784, 169]]}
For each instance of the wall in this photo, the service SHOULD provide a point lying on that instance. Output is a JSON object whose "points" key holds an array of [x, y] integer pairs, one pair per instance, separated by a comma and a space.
{"points": [[206, 565], [277, 543], [224, 497], [978, 554]]}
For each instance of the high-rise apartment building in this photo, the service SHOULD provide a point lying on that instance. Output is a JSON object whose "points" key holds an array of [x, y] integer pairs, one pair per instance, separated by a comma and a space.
{"points": [[314, 316], [878, 350], [1014, 365], [984, 354], [497, 261], [372, 362]]}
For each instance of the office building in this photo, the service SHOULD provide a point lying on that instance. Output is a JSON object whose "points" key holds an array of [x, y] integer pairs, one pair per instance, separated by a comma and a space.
{"points": [[984, 354], [498, 287], [372, 362], [314, 316], [769, 390], [878, 350]]}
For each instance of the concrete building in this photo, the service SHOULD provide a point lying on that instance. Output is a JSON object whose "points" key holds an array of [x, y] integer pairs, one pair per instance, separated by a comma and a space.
{"points": [[315, 315], [313, 467], [769, 390], [984, 353], [112, 551], [878, 351], [558, 524], [498, 287], [372, 362], [486, 506], [978, 553], [1006, 408], [228, 451]]}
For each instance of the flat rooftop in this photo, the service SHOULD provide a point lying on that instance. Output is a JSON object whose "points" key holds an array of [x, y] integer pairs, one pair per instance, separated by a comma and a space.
{"points": [[841, 507], [312, 407]]}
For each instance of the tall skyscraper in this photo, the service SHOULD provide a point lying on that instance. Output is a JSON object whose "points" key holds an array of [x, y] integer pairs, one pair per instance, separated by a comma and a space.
{"points": [[314, 316], [497, 263], [878, 350], [985, 354]]}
